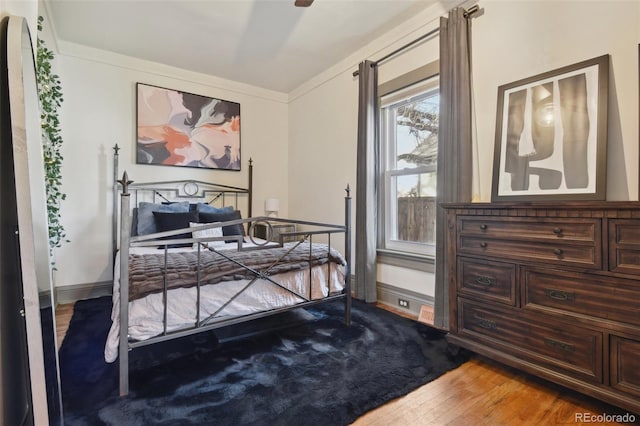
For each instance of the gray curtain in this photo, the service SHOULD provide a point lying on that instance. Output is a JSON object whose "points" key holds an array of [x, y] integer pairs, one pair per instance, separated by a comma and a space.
{"points": [[366, 183], [455, 149]]}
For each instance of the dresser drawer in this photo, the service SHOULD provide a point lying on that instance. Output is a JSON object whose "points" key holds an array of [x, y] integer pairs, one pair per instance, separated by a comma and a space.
{"points": [[545, 229], [625, 365], [555, 252], [624, 246], [487, 279], [561, 346], [595, 296]]}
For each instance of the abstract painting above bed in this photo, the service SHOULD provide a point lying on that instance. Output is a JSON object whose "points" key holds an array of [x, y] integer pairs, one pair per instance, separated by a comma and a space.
{"points": [[177, 128]]}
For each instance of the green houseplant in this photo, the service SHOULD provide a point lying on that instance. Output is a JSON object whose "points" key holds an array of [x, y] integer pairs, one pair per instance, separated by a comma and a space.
{"points": [[50, 93]]}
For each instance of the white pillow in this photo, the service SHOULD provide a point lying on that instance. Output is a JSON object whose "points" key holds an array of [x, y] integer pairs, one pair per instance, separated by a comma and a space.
{"points": [[207, 233]]}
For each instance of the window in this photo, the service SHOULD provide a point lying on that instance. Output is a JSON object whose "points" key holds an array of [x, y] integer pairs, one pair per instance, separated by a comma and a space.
{"points": [[409, 138]]}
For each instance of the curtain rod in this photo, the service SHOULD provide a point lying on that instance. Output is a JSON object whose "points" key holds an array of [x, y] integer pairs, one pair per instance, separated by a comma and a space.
{"points": [[467, 14]]}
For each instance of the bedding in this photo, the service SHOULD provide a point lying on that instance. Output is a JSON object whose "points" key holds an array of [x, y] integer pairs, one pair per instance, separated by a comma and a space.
{"points": [[147, 271], [237, 229], [206, 233], [146, 311]]}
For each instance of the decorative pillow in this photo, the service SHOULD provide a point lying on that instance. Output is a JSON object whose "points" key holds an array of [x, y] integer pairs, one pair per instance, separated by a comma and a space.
{"points": [[206, 208], [192, 206], [224, 217], [170, 221], [207, 233], [134, 222], [146, 221]]}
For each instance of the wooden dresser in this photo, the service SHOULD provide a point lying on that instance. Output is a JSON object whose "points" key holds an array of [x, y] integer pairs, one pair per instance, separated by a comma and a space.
{"points": [[553, 289]]}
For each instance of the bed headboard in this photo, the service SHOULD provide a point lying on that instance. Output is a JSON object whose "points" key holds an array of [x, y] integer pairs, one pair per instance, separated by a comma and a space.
{"points": [[191, 190]]}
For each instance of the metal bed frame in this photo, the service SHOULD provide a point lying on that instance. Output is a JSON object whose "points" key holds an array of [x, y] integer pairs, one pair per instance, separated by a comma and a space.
{"points": [[200, 191]]}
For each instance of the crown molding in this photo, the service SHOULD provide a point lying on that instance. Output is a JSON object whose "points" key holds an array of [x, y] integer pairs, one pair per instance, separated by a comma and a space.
{"points": [[117, 60]]}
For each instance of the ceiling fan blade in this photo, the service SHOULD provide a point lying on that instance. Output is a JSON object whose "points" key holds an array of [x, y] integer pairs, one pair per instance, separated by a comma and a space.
{"points": [[303, 3]]}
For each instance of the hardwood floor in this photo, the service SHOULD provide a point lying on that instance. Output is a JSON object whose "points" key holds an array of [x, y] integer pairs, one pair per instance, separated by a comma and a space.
{"points": [[480, 392], [63, 316]]}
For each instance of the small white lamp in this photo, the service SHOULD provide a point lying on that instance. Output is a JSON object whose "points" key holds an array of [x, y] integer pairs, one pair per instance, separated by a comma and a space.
{"points": [[271, 205]]}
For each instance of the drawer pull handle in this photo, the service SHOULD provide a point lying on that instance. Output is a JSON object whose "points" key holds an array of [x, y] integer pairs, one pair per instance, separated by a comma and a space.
{"points": [[559, 294], [557, 251], [483, 244], [486, 323], [557, 231], [483, 226], [556, 344], [486, 281]]}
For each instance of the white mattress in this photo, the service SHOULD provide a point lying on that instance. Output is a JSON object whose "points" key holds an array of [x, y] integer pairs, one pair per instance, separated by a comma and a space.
{"points": [[146, 314]]}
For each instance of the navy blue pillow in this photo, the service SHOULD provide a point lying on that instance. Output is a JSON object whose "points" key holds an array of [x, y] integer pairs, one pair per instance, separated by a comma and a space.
{"points": [[146, 223], [170, 221], [224, 217]]}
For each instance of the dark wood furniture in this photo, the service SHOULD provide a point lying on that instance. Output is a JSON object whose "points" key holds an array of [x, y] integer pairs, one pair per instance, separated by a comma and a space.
{"points": [[260, 230], [551, 288]]}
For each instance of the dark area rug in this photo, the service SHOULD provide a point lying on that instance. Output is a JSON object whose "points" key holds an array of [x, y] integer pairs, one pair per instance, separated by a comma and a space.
{"points": [[315, 372]]}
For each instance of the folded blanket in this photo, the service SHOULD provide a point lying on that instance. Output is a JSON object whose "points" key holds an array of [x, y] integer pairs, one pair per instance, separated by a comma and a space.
{"points": [[147, 271]]}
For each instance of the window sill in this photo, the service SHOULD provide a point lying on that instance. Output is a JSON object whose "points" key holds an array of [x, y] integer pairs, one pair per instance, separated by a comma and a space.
{"points": [[418, 262]]}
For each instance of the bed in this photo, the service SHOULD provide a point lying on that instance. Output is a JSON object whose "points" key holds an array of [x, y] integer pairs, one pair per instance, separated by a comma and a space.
{"points": [[187, 259]]}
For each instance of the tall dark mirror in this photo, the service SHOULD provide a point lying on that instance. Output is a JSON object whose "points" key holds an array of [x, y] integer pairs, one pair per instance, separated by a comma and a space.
{"points": [[29, 372]]}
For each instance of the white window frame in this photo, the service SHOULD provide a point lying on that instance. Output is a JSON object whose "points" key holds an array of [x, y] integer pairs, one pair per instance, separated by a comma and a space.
{"points": [[389, 172]]}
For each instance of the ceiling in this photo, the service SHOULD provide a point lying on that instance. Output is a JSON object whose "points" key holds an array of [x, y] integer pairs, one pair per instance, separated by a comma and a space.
{"points": [[265, 43]]}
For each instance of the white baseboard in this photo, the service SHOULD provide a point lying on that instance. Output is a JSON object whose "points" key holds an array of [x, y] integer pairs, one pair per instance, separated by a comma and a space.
{"points": [[389, 295], [72, 293]]}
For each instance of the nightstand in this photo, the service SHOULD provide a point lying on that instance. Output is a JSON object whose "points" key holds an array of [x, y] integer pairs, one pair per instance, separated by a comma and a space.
{"points": [[260, 231]]}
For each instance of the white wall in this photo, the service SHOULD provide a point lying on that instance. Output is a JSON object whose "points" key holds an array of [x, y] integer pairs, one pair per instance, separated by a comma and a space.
{"points": [[511, 40], [515, 40], [99, 111]]}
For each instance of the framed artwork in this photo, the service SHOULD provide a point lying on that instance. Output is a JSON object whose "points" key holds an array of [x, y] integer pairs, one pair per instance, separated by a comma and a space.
{"points": [[177, 128], [551, 135]]}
